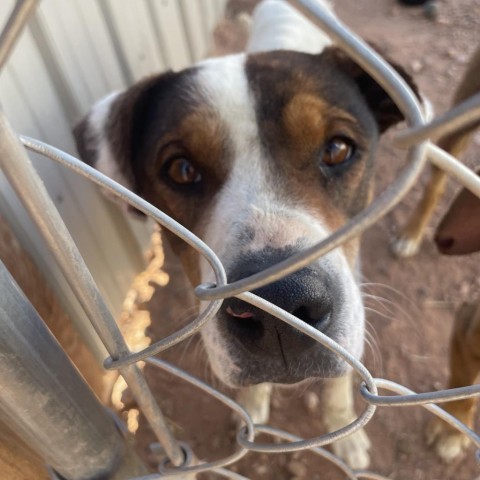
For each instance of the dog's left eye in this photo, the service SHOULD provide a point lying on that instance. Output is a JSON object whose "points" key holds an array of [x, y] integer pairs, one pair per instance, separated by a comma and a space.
{"points": [[182, 171], [337, 151]]}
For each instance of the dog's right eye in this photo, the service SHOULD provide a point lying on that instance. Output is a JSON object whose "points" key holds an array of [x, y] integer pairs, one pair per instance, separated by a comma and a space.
{"points": [[337, 151], [182, 171]]}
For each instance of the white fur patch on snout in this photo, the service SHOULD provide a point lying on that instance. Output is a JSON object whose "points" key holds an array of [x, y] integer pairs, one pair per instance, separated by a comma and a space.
{"points": [[281, 228]]}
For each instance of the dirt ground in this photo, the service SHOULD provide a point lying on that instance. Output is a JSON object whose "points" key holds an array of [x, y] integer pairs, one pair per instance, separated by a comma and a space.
{"points": [[409, 320]]}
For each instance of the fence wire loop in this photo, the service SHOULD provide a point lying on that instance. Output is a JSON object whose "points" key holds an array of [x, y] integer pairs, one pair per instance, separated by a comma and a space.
{"points": [[409, 400], [415, 137], [188, 455]]}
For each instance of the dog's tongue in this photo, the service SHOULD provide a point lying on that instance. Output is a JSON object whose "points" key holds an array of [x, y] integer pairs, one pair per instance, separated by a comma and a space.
{"points": [[239, 315]]}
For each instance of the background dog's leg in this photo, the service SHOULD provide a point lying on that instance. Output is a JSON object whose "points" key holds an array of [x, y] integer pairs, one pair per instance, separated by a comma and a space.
{"points": [[464, 369], [256, 400], [411, 236], [409, 241], [338, 412]]}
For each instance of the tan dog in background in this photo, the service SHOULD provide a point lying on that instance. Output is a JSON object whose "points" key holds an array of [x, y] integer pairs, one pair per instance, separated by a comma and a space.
{"points": [[458, 234]]}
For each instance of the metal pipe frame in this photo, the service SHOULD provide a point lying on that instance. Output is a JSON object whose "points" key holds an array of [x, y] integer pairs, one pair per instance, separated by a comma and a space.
{"points": [[13, 28]]}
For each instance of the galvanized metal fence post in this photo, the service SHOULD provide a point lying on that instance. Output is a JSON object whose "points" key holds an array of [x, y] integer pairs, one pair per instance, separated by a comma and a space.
{"points": [[46, 402]]}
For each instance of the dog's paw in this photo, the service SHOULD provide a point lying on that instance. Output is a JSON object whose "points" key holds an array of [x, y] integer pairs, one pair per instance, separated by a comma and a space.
{"points": [[259, 413], [354, 450], [447, 441], [256, 401], [405, 246]]}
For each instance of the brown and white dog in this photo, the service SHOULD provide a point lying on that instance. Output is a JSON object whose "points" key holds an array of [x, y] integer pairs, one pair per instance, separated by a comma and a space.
{"points": [[260, 155]]}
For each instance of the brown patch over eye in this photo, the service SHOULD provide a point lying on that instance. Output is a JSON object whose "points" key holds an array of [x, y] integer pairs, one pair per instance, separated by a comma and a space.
{"points": [[305, 122], [182, 171], [337, 150]]}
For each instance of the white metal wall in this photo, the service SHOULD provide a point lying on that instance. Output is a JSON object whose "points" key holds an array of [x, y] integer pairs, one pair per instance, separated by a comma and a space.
{"points": [[71, 54]]}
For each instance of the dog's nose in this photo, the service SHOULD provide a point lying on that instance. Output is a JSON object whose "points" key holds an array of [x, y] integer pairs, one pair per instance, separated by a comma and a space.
{"points": [[305, 294]]}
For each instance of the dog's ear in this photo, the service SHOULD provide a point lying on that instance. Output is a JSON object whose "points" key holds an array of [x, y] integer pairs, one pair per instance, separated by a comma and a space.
{"points": [[383, 107], [459, 230], [106, 137]]}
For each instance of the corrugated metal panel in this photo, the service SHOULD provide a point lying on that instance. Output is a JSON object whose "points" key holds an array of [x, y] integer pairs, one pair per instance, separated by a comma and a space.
{"points": [[167, 16], [26, 82], [138, 45], [72, 54]]}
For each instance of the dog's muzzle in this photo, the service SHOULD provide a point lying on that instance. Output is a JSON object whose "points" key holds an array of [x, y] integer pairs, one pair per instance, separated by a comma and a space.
{"points": [[268, 349]]}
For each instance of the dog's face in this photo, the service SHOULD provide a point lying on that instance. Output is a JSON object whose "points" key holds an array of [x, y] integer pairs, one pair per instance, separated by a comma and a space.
{"points": [[260, 156]]}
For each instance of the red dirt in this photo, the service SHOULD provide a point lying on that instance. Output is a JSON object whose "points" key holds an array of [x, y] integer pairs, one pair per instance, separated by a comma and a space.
{"points": [[418, 297]]}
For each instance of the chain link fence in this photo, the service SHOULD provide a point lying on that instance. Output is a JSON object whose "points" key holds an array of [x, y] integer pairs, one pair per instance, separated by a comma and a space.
{"points": [[179, 460]]}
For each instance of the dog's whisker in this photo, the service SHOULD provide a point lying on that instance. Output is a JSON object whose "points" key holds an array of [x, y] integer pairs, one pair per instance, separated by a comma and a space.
{"points": [[387, 306], [372, 341], [394, 290], [373, 331], [377, 298], [185, 349], [396, 312], [404, 313], [379, 313], [187, 315]]}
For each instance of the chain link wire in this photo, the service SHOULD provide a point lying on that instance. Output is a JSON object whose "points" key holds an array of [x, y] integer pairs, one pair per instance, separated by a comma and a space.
{"points": [[416, 138]]}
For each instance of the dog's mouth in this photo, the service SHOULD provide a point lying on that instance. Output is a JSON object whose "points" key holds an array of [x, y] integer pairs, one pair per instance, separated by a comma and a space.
{"points": [[240, 314], [316, 316]]}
